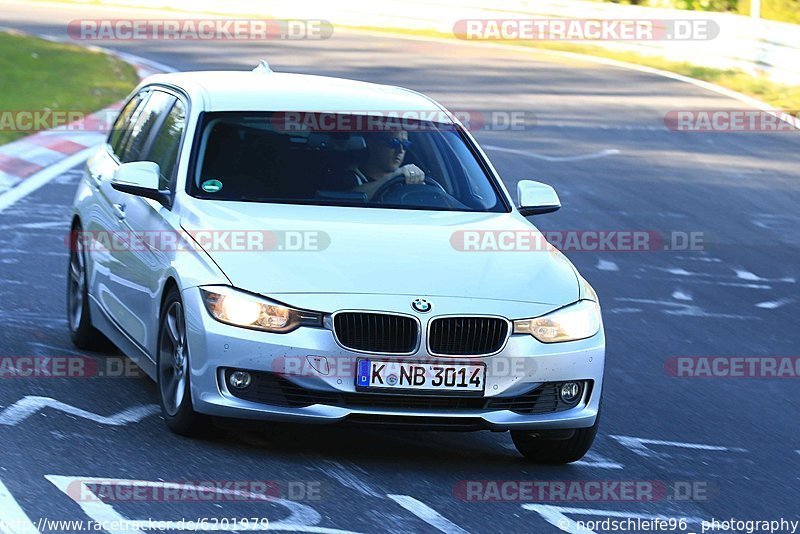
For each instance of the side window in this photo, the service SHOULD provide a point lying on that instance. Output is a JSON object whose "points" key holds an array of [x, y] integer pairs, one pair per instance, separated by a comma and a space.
{"points": [[167, 144], [142, 126], [122, 124]]}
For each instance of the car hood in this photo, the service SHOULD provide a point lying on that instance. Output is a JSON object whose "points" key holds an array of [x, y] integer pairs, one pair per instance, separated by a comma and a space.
{"points": [[374, 251]]}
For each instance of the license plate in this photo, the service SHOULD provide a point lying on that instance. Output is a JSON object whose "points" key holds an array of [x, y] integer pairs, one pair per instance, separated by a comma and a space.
{"points": [[376, 374]]}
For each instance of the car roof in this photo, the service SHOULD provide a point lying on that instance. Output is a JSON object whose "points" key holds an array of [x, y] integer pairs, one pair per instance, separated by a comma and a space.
{"points": [[271, 91]]}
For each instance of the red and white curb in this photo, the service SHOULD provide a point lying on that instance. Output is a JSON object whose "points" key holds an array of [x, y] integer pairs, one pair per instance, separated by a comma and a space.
{"points": [[30, 162], [25, 157]]}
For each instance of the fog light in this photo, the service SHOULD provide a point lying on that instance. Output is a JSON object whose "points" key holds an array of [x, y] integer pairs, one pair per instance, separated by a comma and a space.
{"points": [[569, 392], [239, 379]]}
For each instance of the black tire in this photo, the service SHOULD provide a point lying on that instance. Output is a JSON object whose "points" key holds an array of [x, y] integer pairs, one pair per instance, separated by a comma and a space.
{"points": [[555, 447], [83, 334], [173, 376]]}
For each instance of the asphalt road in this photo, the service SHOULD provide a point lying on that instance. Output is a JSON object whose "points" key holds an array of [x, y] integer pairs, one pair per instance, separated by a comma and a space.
{"points": [[600, 140]]}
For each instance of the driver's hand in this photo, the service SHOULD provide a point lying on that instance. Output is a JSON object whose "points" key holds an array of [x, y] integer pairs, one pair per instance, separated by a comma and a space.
{"points": [[413, 174]]}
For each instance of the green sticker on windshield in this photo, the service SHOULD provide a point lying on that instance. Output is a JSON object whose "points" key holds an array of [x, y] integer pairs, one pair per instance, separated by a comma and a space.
{"points": [[211, 186]]}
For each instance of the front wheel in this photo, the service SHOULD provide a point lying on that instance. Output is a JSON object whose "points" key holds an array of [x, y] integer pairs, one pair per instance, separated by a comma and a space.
{"points": [[556, 446], [173, 371]]}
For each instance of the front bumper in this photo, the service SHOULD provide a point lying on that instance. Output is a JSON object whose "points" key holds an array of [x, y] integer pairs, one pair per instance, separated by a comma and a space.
{"points": [[310, 358]]}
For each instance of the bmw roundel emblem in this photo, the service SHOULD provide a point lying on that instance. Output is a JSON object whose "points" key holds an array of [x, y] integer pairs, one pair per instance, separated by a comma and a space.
{"points": [[421, 305]]}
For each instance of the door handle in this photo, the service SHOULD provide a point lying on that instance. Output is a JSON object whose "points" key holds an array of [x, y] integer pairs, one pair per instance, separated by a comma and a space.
{"points": [[119, 208]]}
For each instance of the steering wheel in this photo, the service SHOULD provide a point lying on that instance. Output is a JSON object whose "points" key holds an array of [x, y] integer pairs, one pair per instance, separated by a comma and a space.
{"points": [[431, 195], [400, 181]]}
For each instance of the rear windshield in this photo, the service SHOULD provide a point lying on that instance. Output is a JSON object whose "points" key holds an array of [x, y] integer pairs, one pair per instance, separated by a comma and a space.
{"points": [[340, 159]]}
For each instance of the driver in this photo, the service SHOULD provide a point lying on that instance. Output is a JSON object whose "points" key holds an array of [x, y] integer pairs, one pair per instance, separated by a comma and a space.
{"points": [[385, 154]]}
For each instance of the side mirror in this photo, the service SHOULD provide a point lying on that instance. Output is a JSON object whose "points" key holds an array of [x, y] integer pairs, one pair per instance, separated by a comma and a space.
{"points": [[141, 178], [535, 198]]}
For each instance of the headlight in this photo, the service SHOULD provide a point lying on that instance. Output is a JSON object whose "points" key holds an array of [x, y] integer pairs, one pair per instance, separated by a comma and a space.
{"points": [[577, 321], [238, 308], [587, 291]]}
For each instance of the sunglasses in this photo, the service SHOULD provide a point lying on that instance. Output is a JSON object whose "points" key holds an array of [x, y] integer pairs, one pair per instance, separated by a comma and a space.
{"points": [[396, 143]]}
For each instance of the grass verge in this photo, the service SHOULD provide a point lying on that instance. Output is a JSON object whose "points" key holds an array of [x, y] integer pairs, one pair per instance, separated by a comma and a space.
{"points": [[40, 75]]}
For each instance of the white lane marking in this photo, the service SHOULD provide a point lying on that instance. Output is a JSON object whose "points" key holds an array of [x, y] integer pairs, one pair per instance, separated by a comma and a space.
{"points": [[556, 516], [28, 406], [130, 58], [606, 265], [35, 181], [683, 309], [348, 479], [594, 155], [698, 278], [592, 459], [751, 277], [699, 258], [7, 181], [639, 446], [623, 310], [12, 519], [34, 226], [732, 284], [97, 510], [427, 514], [302, 518], [680, 294], [38, 253], [681, 272], [747, 275], [772, 304], [43, 349]]}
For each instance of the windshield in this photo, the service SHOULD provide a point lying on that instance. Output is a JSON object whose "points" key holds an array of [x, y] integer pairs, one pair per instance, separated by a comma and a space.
{"points": [[340, 159]]}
